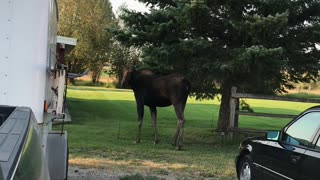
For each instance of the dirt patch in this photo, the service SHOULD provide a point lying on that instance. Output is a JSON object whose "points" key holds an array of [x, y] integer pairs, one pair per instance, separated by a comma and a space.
{"points": [[89, 162], [89, 168]]}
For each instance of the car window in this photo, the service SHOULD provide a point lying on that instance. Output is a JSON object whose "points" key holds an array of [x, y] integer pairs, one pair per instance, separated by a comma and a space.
{"points": [[318, 144], [303, 130]]}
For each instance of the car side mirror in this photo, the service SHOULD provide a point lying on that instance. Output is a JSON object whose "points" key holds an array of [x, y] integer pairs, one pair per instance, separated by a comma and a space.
{"points": [[273, 135]]}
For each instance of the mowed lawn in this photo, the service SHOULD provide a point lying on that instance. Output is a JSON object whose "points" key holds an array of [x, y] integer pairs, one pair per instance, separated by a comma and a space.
{"points": [[104, 126]]}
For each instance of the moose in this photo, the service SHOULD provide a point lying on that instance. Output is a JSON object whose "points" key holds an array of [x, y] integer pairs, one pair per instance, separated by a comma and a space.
{"points": [[154, 91]]}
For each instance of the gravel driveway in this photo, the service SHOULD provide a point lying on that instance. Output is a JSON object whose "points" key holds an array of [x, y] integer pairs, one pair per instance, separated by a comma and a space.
{"points": [[77, 173]]}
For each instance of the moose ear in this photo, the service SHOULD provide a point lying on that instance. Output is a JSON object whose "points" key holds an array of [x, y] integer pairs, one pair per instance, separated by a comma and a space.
{"points": [[127, 74], [134, 69]]}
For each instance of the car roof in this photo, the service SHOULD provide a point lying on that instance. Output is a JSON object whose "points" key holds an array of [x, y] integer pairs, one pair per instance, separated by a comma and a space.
{"points": [[317, 108]]}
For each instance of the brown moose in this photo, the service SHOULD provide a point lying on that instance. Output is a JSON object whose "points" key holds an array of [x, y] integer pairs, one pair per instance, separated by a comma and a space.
{"points": [[154, 91]]}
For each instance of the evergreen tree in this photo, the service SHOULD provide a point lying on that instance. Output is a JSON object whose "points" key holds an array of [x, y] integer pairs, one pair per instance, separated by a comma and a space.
{"points": [[256, 45]]}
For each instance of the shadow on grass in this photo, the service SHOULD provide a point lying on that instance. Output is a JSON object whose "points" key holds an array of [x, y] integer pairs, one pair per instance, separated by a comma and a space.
{"points": [[116, 120], [127, 109], [119, 117], [197, 115]]}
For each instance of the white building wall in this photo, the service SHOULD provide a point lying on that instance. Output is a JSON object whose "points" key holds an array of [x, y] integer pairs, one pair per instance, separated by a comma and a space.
{"points": [[23, 53]]}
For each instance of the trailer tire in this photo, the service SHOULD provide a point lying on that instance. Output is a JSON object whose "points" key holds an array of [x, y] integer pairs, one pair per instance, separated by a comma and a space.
{"points": [[67, 163]]}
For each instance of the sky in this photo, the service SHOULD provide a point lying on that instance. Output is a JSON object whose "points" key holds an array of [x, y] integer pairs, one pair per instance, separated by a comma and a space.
{"points": [[131, 4]]}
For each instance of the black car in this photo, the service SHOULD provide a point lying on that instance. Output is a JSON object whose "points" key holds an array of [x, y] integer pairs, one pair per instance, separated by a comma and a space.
{"points": [[292, 153]]}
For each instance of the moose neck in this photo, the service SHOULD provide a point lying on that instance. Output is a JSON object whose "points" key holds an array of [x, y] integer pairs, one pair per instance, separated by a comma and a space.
{"points": [[141, 79]]}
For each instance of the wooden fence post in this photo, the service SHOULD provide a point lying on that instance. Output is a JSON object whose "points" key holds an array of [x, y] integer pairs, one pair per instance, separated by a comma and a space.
{"points": [[233, 103], [236, 118]]}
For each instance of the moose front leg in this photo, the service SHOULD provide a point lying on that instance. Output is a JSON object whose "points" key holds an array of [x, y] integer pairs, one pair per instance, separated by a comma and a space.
{"points": [[140, 110], [153, 112], [180, 136]]}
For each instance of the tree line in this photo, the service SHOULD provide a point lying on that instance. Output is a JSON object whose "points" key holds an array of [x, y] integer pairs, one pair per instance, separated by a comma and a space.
{"points": [[90, 22]]}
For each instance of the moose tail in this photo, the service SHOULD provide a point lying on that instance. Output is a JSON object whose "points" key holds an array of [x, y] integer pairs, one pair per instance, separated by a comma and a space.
{"points": [[188, 85]]}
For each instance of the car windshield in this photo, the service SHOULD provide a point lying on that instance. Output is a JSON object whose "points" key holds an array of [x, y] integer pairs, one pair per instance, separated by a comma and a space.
{"points": [[303, 130]]}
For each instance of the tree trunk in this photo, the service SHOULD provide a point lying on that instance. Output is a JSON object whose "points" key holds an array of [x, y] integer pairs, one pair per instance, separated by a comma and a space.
{"points": [[96, 73], [94, 77], [72, 81], [119, 76], [236, 118], [224, 113]]}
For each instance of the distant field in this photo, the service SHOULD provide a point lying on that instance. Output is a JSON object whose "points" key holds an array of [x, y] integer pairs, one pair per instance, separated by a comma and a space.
{"points": [[104, 125]]}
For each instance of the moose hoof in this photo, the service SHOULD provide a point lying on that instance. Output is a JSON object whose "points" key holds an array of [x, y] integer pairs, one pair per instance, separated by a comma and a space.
{"points": [[156, 142], [179, 148], [137, 142]]}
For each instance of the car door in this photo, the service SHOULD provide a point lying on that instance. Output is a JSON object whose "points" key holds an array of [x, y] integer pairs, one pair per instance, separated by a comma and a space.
{"points": [[283, 158], [276, 160], [309, 167]]}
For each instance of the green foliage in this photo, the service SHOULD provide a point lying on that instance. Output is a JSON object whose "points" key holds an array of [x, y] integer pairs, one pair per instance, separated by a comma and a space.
{"points": [[121, 57], [259, 46], [244, 106], [87, 21]]}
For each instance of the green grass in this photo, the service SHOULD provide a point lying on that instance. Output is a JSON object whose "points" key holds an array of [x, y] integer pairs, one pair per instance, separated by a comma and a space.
{"points": [[104, 125]]}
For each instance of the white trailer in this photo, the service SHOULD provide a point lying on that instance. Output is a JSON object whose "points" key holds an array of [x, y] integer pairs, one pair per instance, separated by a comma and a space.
{"points": [[32, 90]]}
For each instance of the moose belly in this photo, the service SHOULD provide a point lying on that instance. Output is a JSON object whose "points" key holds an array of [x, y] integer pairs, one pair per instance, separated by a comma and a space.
{"points": [[157, 102]]}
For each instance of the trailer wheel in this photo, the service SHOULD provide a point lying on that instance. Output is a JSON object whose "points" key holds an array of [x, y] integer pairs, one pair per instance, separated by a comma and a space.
{"points": [[67, 163]]}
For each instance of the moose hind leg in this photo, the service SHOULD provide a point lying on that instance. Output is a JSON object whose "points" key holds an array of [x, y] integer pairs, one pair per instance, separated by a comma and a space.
{"points": [[180, 126], [153, 112], [176, 135]]}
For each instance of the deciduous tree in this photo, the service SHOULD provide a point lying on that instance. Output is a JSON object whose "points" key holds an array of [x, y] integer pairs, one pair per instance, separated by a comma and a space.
{"points": [[87, 21], [122, 57]]}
